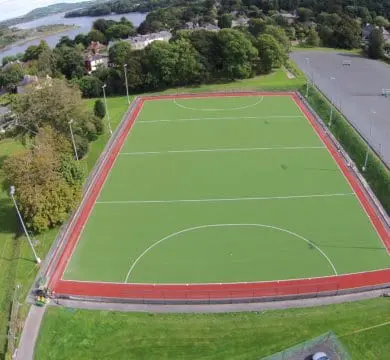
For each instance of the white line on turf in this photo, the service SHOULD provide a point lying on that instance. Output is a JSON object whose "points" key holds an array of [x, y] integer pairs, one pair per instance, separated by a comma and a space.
{"points": [[254, 198], [225, 118], [260, 99], [224, 150], [228, 225]]}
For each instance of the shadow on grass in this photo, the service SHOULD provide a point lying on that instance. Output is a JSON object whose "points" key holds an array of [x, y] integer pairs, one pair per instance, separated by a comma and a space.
{"points": [[8, 218]]}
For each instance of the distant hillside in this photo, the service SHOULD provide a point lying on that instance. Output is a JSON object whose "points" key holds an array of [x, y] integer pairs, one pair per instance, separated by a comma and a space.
{"points": [[49, 10]]}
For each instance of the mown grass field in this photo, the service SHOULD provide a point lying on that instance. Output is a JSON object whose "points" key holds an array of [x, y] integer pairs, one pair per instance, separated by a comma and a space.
{"points": [[68, 334]]}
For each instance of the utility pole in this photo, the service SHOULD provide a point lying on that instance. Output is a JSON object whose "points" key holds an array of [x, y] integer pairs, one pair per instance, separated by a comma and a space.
{"points": [[127, 84], [369, 138], [12, 193], [307, 76], [331, 106], [107, 113], [73, 142]]}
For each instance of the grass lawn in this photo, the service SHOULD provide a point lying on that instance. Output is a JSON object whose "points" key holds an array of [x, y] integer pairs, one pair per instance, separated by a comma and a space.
{"points": [[224, 190], [82, 334]]}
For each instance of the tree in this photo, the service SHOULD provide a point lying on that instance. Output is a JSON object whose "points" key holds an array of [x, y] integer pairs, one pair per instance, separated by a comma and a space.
{"points": [[90, 86], [304, 14], [256, 26], [312, 39], [187, 66], [381, 21], [11, 76], [47, 63], [271, 53], [70, 61], [280, 35], [95, 35], [375, 44], [65, 41], [101, 25], [99, 109], [119, 31], [237, 53], [347, 34], [45, 194], [119, 52], [82, 39], [225, 21], [31, 53]]}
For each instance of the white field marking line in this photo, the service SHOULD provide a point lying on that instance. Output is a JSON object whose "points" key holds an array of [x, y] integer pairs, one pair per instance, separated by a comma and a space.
{"points": [[227, 225], [223, 150], [261, 98], [365, 329], [224, 199], [345, 177], [225, 118], [231, 283], [98, 195]]}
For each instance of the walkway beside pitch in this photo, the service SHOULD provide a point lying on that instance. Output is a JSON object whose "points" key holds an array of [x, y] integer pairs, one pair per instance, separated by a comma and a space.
{"points": [[30, 333]]}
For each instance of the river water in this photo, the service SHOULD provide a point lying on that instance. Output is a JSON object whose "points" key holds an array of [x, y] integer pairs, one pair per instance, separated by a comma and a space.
{"points": [[84, 25]]}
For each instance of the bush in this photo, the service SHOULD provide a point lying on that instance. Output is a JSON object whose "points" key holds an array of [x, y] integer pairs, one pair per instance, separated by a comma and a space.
{"points": [[376, 174], [99, 109]]}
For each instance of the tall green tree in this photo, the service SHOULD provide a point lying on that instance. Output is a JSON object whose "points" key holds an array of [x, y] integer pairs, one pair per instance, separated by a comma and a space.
{"points": [[279, 34], [237, 53], [312, 39], [45, 191], [271, 53], [11, 75], [119, 52], [99, 109], [47, 63], [375, 44], [347, 34], [70, 61], [225, 21]]}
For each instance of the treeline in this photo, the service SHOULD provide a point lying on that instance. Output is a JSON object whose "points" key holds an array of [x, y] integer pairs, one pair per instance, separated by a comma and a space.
{"points": [[123, 7], [191, 57], [47, 177]]}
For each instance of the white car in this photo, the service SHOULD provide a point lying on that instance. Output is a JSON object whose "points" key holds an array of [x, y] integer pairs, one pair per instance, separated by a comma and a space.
{"points": [[320, 356]]}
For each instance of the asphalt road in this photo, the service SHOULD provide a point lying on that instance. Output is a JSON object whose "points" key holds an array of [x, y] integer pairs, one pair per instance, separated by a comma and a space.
{"points": [[355, 90]]}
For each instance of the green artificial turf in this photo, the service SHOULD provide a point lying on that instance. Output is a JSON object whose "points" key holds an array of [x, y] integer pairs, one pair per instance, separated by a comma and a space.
{"points": [[83, 334], [158, 218]]}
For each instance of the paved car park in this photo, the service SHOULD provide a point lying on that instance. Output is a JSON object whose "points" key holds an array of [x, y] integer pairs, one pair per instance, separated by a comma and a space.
{"points": [[354, 84]]}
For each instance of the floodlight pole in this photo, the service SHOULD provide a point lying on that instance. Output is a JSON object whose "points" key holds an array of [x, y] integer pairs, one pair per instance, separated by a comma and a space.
{"points": [[73, 142], [107, 113], [127, 84], [331, 106], [368, 145], [12, 193], [308, 77]]}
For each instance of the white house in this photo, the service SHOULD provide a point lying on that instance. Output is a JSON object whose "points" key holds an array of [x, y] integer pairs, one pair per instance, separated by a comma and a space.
{"points": [[142, 41], [93, 61]]}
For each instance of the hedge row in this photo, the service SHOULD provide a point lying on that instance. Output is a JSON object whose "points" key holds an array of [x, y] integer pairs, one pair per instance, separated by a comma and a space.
{"points": [[376, 174]]}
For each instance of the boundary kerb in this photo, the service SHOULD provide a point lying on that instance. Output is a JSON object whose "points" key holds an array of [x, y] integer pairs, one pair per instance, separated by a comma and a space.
{"points": [[208, 292]]}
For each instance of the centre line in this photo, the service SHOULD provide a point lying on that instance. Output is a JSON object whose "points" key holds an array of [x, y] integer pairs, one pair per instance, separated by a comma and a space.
{"points": [[223, 150], [224, 199]]}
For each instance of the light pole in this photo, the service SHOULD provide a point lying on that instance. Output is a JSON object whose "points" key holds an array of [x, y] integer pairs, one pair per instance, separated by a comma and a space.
{"points": [[127, 84], [331, 106], [308, 77], [73, 142], [369, 138], [12, 193], [105, 103]]}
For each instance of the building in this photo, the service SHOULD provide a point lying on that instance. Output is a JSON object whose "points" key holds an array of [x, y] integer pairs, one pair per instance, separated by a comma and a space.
{"points": [[195, 26], [28, 82], [142, 41], [367, 29], [93, 61], [290, 18], [95, 47], [240, 21]]}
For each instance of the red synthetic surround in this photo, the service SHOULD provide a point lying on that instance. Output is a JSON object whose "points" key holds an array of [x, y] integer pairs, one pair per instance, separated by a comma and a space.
{"points": [[214, 291]]}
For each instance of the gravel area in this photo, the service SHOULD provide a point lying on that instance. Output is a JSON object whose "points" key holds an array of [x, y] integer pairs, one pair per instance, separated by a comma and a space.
{"points": [[356, 90]]}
